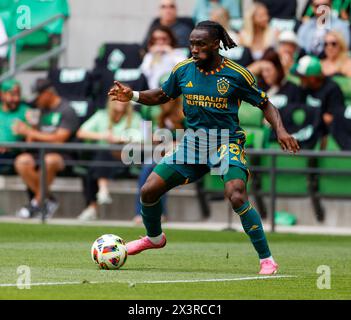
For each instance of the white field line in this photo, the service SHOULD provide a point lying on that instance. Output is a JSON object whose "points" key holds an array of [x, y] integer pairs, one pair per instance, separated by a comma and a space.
{"points": [[2, 285], [217, 280]]}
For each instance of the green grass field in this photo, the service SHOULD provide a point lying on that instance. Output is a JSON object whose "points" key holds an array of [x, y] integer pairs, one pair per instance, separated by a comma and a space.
{"points": [[61, 254]]}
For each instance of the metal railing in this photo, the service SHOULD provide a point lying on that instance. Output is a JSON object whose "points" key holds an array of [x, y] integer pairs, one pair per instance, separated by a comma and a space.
{"points": [[273, 170], [12, 43]]}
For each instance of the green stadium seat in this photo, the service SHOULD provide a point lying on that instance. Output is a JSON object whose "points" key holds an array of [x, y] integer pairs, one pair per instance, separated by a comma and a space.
{"points": [[334, 185], [288, 184], [250, 116], [41, 40], [6, 5]]}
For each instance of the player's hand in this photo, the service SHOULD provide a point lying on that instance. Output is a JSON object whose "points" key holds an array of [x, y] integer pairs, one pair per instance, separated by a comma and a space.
{"points": [[287, 142], [120, 92]]}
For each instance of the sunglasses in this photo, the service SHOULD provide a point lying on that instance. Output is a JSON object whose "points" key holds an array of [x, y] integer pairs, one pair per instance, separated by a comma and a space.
{"points": [[331, 43], [171, 6]]}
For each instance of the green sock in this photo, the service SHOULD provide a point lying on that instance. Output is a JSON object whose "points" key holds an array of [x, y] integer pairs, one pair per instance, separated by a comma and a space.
{"points": [[252, 225], [151, 214]]}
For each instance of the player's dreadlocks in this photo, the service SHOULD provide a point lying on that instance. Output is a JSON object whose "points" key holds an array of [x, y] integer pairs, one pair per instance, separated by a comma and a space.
{"points": [[217, 32]]}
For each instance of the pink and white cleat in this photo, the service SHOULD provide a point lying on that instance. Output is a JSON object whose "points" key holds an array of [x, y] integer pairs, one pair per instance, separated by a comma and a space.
{"points": [[268, 267], [137, 246]]}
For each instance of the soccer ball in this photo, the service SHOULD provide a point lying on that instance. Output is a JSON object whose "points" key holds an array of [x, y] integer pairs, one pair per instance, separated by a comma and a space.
{"points": [[109, 252]]}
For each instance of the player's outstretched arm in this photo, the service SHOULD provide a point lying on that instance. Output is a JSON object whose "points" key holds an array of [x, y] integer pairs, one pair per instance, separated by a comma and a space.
{"points": [[124, 93], [286, 141]]}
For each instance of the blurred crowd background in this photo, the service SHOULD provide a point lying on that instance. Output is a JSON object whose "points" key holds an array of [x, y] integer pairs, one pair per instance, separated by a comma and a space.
{"points": [[299, 52]]}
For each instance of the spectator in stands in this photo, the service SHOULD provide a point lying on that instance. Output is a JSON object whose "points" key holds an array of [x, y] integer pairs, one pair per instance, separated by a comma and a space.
{"points": [[257, 34], [118, 123], [312, 33], [272, 78], [239, 54], [320, 92], [162, 55], [11, 110], [3, 39], [58, 123], [280, 9], [171, 118], [168, 18], [204, 8], [288, 49], [337, 60]]}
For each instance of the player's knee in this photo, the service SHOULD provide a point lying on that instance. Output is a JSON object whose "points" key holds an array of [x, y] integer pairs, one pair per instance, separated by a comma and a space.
{"points": [[236, 193], [148, 194]]}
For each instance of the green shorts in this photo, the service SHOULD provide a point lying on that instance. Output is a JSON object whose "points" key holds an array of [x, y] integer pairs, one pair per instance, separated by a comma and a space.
{"points": [[230, 165], [178, 174]]}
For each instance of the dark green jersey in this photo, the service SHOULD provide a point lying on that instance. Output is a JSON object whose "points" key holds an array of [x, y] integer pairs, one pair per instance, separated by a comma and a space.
{"points": [[212, 100]]}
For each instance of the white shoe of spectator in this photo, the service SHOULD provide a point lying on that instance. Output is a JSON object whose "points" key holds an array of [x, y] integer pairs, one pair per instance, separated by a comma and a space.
{"points": [[24, 213], [28, 211], [88, 214], [104, 197]]}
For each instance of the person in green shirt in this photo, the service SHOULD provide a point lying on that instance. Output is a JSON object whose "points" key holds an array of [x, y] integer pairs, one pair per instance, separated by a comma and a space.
{"points": [[11, 111], [118, 123], [213, 88]]}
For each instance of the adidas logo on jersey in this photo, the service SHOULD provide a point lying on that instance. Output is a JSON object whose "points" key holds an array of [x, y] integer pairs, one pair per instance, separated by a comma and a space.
{"points": [[189, 85]]}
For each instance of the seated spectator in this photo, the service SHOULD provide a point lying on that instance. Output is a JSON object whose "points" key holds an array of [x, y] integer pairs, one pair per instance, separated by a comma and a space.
{"points": [[337, 60], [11, 110], [118, 123], [58, 123], [168, 18], [311, 33], [204, 8], [171, 118], [272, 79], [257, 34], [239, 54], [161, 56], [288, 49], [320, 92], [280, 9]]}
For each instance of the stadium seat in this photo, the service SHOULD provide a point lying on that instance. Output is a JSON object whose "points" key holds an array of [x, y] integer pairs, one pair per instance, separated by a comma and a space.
{"points": [[250, 116], [117, 61], [72, 83], [113, 56], [42, 40], [287, 184], [5, 14], [104, 81], [334, 185], [75, 85]]}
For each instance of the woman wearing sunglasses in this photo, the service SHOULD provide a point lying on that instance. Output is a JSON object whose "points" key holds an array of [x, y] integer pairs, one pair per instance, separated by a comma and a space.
{"points": [[337, 60]]}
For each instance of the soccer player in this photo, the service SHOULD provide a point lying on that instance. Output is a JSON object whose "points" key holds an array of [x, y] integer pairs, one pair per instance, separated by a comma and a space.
{"points": [[212, 88]]}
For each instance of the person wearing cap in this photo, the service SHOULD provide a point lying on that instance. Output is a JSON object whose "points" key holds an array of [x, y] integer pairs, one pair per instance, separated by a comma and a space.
{"points": [[320, 92], [311, 33], [58, 123], [11, 111], [288, 49]]}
